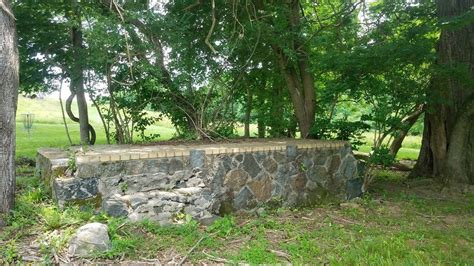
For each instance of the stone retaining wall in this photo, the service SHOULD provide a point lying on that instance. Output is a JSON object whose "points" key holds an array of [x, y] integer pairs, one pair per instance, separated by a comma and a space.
{"points": [[167, 183]]}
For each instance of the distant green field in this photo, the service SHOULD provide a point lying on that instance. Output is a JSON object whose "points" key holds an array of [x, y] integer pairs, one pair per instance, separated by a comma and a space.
{"points": [[403, 154], [48, 129], [48, 111], [410, 148]]}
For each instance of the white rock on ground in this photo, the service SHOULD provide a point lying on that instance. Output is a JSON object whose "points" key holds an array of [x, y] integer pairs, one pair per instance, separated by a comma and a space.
{"points": [[90, 238]]}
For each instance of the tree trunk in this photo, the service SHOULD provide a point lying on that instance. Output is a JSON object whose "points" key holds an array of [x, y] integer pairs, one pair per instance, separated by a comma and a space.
{"points": [[261, 115], [407, 122], [298, 76], [77, 75], [448, 138], [459, 165], [277, 123], [66, 128], [9, 82], [248, 112]]}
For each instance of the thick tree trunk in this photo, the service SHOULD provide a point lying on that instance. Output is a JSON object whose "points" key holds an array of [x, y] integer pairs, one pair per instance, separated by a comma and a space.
{"points": [[9, 81], [459, 165], [298, 76], [77, 75], [277, 122], [448, 138]]}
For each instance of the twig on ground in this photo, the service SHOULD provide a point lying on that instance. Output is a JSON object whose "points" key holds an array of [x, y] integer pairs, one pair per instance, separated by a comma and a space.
{"points": [[157, 261], [120, 226], [430, 216], [63, 260], [214, 258], [280, 254], [191, 250], [343, 219], [55, 256], [239, 240]]}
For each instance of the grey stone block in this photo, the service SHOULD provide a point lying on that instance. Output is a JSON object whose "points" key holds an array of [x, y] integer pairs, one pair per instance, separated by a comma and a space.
{"points": [[197, 158], [291, 151], [354, 188], [251, 166], [114, 208], [73, 189]]}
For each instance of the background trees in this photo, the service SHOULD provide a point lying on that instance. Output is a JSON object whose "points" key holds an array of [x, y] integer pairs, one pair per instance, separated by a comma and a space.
{"points": [[293, 68]]}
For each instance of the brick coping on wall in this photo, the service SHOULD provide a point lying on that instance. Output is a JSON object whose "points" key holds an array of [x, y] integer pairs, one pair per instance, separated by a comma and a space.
{"points": [[110, 153]]}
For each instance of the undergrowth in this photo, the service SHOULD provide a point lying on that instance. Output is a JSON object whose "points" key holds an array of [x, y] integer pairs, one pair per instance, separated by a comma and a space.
{"points": [[393, 224]]}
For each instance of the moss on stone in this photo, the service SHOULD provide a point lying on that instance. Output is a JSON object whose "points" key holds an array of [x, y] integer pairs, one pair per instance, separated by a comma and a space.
{"points": [[227, 207], [95, 201]]}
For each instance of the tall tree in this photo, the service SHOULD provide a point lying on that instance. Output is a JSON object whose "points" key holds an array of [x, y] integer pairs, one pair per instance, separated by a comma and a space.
{"points": [[9, 81], [77, 76], [447, 149], [296, 69]]}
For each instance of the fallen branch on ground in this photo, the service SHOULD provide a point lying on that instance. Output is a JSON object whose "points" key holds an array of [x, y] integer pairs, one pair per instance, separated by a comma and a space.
{"points": [[191, 250]]}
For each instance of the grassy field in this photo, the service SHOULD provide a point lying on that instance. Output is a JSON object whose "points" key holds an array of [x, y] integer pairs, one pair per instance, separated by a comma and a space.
{"points": [[399, 222], [48, 130], [409, 150]]}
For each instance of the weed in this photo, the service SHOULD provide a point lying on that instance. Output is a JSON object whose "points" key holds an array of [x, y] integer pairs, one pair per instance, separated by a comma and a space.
{"points": [[8, 252], [123, 187], [256, 252], [71, 162], [224, 226], [304, 250]]}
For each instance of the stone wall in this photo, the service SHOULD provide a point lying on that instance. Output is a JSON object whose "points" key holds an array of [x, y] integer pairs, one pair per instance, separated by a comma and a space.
{"points": [[201, 181]]}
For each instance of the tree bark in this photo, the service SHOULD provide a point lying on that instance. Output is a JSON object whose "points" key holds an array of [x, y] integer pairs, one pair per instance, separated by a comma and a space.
{"points": [[447, 146], [459, 166], [9, 82], [298, 76], [77, 75], [248, 111], [66, 128]]}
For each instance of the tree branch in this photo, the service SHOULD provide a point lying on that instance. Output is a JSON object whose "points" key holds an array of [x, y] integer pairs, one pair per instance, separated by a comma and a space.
{"points": [[209, 34], [6, 10]]}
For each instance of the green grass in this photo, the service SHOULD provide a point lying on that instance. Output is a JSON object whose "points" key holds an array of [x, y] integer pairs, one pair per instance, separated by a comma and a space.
{"points": [[48, 111], [409, 150], [401, 222], [53, 135], [403, 153], [48, 129]]}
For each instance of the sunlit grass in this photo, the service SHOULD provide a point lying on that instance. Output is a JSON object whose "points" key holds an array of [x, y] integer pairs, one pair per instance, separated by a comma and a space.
{"points": [[54, 135], [48, 111], [48, 129], [409, 150]]}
